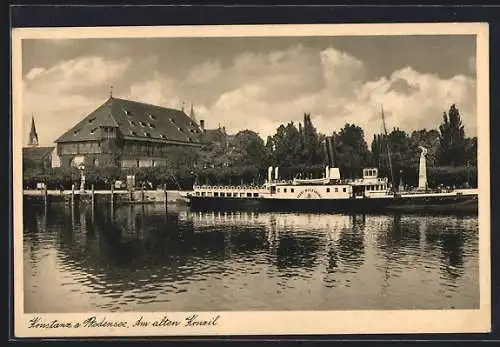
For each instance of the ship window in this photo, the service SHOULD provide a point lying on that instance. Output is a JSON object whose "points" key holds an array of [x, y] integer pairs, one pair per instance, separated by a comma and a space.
{"points": [[216, 194], [255, 195], [202, 193], [284, 190], [291, 190], [336, 190], [242, 194], [222, 194], [278, 190], [344, 190], [197, 193], [328, 190], [249, 195]]}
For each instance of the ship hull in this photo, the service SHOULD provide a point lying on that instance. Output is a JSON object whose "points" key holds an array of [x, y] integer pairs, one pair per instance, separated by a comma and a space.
{"points": [[417, 204]]}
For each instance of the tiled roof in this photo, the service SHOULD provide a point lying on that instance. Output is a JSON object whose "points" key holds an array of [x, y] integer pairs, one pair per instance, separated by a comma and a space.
{"points": [[37, 153], [136, 121]]}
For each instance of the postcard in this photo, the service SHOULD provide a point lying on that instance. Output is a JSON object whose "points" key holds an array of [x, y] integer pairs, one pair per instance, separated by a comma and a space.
{"points": [[251, 180]]}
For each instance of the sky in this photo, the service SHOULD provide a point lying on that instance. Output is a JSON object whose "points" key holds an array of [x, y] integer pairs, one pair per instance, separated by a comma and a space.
{"points": [[255, 83]]}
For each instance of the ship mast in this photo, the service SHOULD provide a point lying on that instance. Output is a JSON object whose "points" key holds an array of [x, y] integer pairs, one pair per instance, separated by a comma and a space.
{"points": [[388, 150]]}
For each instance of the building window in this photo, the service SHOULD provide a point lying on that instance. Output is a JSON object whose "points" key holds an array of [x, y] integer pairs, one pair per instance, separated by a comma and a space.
{"points": [[328, 190]]}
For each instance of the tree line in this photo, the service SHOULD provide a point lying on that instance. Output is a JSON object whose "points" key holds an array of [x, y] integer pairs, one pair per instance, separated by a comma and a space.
{"points": [[243, 158]]}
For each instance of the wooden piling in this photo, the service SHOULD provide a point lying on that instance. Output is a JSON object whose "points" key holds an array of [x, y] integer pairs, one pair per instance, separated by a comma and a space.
{"points": [[112, 194], [142, 194], [92, 196], [166, 196], [72, 195], [45, 195]]}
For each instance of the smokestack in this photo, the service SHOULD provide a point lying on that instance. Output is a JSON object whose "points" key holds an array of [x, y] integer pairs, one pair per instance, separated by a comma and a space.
{"points": [[276, 173], [269, 174], [202, 124], [329, 151], [327, 172]]}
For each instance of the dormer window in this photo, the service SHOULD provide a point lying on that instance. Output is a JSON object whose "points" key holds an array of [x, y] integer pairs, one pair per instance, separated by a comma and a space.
{"points": [[91, 120], [163, 136], [147, 134], [93, 131], [76, 131], [133, 133], [152, 117], [127, 112], [180, 129], [131, 122], [151, 126], [172, 120], [142, 124]]}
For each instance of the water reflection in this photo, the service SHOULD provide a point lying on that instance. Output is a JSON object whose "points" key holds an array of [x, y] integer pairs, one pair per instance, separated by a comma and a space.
{"points": [[136, 256]]}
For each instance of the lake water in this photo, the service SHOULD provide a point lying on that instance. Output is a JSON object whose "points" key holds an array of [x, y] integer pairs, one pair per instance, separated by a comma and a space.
{"points": [[142, 258]]}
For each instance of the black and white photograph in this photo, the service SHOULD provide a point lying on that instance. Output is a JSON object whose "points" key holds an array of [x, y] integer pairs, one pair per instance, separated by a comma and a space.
{"points": [[285, 179]]}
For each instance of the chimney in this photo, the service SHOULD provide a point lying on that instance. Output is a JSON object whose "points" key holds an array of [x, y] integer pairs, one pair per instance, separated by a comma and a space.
{"points": [[276, 173], [269, 174], [202, 124]]}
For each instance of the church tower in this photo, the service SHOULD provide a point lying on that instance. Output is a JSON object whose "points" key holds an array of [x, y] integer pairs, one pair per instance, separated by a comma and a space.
{"points": [[33, 141]]}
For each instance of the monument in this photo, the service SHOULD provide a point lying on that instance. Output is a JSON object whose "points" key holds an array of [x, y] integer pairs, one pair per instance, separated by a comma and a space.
{"points": [[422, 172]]}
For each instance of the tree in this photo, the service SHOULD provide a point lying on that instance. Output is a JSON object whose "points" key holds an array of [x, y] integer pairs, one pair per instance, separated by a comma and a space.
{"points": [[351, 150], [312, 152], [452, 138]]}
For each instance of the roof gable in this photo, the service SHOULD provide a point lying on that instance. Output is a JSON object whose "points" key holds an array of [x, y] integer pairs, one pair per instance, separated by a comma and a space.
{"points": [[37, 153], [135, 121]]}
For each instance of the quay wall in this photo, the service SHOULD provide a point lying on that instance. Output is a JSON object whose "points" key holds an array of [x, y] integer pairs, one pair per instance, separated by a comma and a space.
{"points": [[104, 197]]}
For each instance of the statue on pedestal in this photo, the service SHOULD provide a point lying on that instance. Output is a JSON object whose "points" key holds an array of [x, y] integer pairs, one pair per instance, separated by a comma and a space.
{"points": [[422, 172]]}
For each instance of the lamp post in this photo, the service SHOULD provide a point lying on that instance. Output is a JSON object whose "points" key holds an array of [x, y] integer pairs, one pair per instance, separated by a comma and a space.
{"points": [[82, 177]]}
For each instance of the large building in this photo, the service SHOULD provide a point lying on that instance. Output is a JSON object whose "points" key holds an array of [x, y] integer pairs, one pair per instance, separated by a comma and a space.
{"points": [[127, 133]]}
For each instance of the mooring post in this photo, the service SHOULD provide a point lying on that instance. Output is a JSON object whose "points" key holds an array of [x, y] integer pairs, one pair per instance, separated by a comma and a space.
{"points": [[142, 194], [112, 194], [45, 194], [73, 195], [165, 195], [93, 196]]}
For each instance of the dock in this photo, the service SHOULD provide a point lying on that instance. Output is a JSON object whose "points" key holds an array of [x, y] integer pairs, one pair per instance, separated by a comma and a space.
{"points": [[110, 196]]}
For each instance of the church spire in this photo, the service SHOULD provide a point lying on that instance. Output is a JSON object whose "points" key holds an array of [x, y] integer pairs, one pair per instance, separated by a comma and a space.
{"points": [[33, 141]]}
